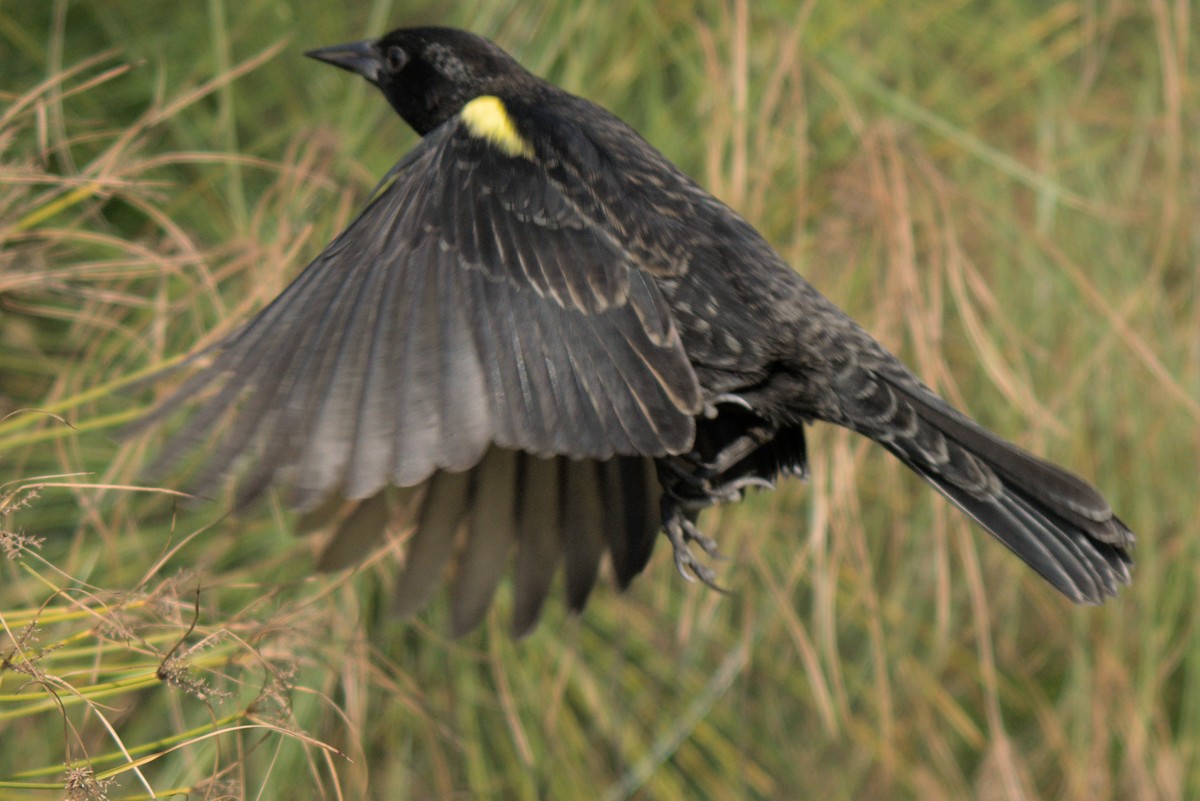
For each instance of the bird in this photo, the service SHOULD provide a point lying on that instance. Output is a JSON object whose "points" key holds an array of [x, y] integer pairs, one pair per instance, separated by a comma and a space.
{"points": [[542, 343]]}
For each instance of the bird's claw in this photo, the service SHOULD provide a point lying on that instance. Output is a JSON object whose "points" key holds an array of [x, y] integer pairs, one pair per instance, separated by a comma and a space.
{"points": [[710, 406]]}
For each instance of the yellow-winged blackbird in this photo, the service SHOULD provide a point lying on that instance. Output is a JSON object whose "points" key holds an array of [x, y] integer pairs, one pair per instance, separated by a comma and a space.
{"points": [[543, 338]]}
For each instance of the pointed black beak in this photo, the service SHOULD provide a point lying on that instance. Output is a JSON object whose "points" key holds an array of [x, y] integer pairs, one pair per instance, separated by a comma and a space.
{"points": [[361, 57]]}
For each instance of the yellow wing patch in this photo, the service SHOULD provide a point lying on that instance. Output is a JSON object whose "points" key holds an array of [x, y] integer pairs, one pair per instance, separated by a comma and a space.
{"points": [[487, 118]]}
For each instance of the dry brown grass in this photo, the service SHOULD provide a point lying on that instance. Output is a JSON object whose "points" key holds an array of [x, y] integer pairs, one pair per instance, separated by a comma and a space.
{"points": [[1003, 195]]}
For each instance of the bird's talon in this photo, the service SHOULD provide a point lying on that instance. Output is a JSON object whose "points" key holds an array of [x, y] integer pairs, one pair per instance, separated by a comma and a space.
{"points": [[734, 400], [684, 564], [692, 569]]}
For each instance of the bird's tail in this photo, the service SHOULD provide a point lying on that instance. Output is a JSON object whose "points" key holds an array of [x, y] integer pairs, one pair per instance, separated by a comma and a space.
{"points": [[1055, 521]]}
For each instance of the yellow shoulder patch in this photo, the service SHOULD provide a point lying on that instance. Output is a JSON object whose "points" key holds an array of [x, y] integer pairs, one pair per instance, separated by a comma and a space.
{"points": [[487, 118]]}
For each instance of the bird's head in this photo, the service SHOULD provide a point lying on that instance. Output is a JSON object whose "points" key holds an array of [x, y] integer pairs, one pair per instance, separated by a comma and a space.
{"points": [[429, 74]]}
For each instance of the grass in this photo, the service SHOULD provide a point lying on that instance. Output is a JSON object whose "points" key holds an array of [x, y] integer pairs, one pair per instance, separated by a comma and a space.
{"points": [[1004, 194]]}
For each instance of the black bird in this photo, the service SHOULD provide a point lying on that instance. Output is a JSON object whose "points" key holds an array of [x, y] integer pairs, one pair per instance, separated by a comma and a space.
{"points": [[540, 337]]}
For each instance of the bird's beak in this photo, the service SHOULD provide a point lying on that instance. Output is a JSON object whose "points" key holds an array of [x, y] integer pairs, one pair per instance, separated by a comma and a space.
{"points": [[361, 57]]}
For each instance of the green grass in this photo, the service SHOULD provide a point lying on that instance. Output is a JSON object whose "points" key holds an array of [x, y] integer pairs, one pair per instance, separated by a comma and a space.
{"points": [[1004, 193]]}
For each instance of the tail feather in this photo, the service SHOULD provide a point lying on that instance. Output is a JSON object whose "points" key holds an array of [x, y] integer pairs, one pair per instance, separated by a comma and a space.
{"points": [[1053, 520], [1083, 568], [1069, 496]]}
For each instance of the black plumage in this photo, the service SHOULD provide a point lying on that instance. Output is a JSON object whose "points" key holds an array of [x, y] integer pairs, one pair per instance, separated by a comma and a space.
{"points": [[541, 339]]}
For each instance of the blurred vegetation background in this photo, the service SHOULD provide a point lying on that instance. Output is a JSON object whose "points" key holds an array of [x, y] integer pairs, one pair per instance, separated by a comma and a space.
{"points": [[1006, 194]]}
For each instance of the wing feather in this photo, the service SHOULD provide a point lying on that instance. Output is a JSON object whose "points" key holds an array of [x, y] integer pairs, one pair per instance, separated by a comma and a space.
{"points": [[321, 467], [465, 420], [493, 521], [539, 527], [416, 429], [432, 543], [374, 437], [582, 514]]}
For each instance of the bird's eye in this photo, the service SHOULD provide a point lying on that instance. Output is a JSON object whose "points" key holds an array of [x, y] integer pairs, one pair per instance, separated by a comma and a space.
{"points": [[396, 58]]}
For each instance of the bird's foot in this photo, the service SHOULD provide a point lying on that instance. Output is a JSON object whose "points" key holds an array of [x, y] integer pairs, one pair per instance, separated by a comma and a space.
{"points": [[681, 531]]}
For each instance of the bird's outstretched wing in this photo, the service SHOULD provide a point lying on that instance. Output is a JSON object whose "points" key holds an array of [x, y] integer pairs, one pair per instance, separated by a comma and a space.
{"points": [[477, 336], [471, 304]]}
